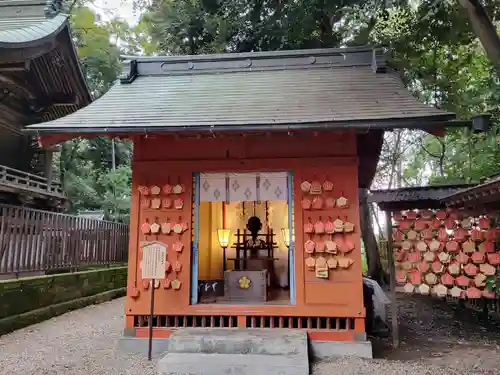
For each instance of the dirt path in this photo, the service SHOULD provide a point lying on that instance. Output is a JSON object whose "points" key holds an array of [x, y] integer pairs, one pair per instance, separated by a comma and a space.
{"points": [[436, 341], [437, 332]]}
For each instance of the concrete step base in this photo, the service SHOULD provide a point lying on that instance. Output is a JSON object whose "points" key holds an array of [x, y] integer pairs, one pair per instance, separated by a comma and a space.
{"points": [[202, 351], [231, 364]]}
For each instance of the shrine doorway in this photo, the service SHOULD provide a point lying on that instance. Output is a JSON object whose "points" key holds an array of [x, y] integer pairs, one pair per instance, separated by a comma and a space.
{"points": [[243, 238]]}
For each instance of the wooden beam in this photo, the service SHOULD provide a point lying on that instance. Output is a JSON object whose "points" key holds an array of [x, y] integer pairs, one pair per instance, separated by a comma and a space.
{"points": [[392, 278]]}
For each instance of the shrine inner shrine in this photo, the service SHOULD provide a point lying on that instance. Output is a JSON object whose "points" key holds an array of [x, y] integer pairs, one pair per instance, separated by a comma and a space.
{"points": [[247, 168]]}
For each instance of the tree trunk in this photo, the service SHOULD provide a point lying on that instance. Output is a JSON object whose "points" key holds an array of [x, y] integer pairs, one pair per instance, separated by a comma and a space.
{"points": [[484, 30], [371, 246]]}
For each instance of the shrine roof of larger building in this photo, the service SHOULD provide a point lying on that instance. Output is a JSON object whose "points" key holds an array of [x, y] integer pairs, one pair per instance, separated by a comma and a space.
{"points": [[26, 23], [345, 88], [39, 66]]}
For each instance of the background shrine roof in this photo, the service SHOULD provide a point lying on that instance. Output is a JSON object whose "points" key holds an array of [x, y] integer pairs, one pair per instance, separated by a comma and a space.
{"points": [[25, 22], [414, 197], [329, 88], [483, 195]]}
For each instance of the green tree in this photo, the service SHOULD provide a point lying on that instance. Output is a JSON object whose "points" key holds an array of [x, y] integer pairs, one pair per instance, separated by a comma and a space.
{"points": [[96, 172], [448, 69]]}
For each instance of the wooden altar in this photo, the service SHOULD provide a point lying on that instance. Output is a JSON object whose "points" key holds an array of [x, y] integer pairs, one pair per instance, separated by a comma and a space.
{"points": [[250, 265], [245, 261]]}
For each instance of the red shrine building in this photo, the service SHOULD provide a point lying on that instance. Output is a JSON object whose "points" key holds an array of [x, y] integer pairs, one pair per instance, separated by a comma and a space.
{"points": [[246, 170]]}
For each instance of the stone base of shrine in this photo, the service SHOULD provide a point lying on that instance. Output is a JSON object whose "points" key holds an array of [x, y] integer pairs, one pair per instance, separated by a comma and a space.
{"points": [[320, 346]]}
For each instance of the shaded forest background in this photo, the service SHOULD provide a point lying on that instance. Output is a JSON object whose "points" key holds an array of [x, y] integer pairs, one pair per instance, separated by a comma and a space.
{"points": [[445, 49]]}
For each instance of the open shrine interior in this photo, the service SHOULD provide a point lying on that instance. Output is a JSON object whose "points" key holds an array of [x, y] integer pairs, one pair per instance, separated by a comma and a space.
{"points": [[246, 263]]}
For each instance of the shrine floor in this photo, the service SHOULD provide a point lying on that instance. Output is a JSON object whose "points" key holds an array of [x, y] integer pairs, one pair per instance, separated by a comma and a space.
{"points": [[435, 340], [277, 297]]}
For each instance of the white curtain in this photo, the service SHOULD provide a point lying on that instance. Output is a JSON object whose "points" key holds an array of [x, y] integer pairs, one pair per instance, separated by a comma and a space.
{"points": [[213, 187], [273, 186], [243, 187]]}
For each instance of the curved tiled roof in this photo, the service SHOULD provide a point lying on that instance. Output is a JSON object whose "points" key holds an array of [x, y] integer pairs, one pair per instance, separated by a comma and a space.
{"points": [[28, 22], [332, 88]]}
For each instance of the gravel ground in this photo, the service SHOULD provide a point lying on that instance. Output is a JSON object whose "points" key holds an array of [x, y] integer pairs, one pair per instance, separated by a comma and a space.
{"points": [[435, 340]]}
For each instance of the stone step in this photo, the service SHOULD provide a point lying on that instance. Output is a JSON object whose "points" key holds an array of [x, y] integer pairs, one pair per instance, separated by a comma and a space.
{"points": [[239, 341], [233, 351], [231, 364]]}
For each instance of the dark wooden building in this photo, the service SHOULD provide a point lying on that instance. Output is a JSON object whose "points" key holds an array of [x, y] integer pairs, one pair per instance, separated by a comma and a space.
{"points": [[40, 80]]}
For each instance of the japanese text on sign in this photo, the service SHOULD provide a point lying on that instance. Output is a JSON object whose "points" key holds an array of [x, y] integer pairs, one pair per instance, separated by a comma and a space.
{"points": [[154, 256]]}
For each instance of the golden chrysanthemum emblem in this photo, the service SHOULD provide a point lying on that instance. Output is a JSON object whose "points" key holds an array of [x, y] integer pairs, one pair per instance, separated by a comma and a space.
{"points": [[244, 282]]}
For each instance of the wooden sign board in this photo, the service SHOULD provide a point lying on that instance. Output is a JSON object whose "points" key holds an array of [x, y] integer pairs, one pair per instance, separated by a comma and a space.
{"points": [[154, 257]]}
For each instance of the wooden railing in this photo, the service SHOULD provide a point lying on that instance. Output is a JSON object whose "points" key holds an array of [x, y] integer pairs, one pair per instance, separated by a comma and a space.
{"points": [[18, 180], [39, 241]]}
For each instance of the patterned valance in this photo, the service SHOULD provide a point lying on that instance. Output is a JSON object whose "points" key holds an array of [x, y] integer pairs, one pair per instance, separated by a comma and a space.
{"points": [[243, 187]]}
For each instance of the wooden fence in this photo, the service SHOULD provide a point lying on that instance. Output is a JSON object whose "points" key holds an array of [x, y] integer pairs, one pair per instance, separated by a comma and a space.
{"points": [[38, 241]]}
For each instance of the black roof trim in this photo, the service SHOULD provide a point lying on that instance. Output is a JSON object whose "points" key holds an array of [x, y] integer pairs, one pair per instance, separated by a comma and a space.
{"points": [[387, 125]]}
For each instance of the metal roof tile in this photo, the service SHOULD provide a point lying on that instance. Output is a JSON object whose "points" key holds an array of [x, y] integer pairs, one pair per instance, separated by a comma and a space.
{"points": [[285, 90], [26, 21]]}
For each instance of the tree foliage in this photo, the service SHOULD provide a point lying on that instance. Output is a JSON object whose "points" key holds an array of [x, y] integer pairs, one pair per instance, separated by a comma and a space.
{"points": [[434, 44], [85, 166], [443, 63]]}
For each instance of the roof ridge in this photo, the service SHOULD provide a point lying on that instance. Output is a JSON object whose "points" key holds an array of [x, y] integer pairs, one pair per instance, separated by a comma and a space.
{"points": [[237, 55], [253, 61]]}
